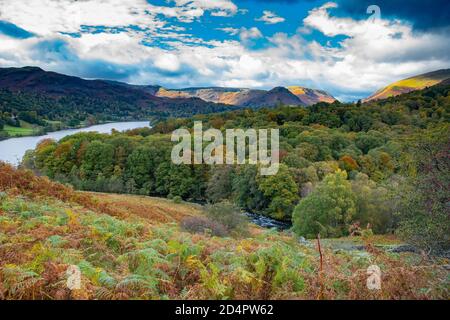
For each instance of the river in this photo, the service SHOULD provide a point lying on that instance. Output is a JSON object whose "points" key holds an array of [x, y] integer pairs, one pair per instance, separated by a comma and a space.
{"points": [[12, 150]]}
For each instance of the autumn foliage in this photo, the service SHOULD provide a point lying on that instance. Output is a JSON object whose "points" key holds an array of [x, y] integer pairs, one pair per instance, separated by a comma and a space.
{"points": [[46, 227]]}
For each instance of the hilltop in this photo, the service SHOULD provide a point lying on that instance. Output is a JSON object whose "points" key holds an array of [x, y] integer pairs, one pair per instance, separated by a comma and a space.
{"points": [[411, 84]]}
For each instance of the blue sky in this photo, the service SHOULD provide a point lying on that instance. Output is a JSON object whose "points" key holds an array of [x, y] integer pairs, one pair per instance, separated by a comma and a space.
{"points": [[335, 46]]}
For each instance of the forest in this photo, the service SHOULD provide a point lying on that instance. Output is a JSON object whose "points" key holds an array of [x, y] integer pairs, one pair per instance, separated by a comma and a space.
{"points": [[345, 168]]}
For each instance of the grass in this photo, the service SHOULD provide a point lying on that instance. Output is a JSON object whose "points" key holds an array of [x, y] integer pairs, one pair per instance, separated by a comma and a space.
{"points": [[156, 210], [16, 131], [130, 247], [25, 129]]}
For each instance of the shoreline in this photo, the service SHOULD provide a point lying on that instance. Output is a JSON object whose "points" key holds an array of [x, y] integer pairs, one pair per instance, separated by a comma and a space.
{"points": [[45, 132], [14, 148]]}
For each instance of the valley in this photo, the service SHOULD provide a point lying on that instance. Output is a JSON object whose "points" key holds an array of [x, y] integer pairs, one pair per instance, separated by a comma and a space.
{"points": [[349, 194]]}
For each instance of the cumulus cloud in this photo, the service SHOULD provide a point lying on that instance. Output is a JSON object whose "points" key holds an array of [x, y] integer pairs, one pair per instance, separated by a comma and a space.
{"points": [[131, 41], [270, 17], [45, 17], [249, 34], [375, 50]]}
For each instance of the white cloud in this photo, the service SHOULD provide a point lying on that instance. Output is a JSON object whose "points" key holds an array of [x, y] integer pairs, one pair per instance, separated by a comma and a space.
{"points": [[270, 17], [168, 62], [375, 51], [245, 34], [216, 6], [372, 53], [46, 17], [230, 31], [249, 34]]}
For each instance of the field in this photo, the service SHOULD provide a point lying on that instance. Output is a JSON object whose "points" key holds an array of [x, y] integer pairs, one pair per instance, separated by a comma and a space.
{"points": [[130, 247], [24, 130]]}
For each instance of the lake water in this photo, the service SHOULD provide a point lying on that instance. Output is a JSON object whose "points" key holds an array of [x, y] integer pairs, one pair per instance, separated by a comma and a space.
{"points": [[13, 150]]}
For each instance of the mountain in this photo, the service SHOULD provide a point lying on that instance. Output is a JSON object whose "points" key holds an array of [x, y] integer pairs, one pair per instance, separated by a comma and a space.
{"points": [[36, 80], [92, 97], [411, 84], [297, 96], [311, 96], [276, 96]]}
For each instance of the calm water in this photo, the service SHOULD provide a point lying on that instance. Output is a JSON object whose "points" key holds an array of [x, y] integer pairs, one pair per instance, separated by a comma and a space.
{"points": [[12, 150]]}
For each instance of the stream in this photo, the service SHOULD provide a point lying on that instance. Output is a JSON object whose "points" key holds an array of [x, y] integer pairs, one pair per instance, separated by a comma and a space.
{"points": [[267, 222]]}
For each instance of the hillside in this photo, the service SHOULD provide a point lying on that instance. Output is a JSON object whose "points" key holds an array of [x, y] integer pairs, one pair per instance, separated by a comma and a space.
{"points": [[311, 96], [296, 96], [47, 229], [39, 97], [411, 84]]}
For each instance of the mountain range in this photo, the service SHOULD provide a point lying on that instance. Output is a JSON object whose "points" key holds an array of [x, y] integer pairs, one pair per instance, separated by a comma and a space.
{"points": [[253, 98], [36, 80], [127, 100]]}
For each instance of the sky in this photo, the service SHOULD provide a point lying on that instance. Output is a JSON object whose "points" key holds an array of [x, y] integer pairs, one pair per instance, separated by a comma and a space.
{"points": [[349, 48]]}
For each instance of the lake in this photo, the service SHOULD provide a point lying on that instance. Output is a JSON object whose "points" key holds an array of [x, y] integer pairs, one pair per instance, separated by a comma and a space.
{"points": [[13, 150]]}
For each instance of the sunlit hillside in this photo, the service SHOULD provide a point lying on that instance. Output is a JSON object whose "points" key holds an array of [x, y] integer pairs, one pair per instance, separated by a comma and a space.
{"points": [[411, 84]]}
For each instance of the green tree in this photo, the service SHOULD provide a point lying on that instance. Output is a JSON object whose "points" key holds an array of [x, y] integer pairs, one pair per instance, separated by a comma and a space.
{"points": [[140, 168], [423, 198], [328, 210], [247, 195], [372, 205], [220, 184], [282, 192], [371, 140], [175, 180], [98, 159]]}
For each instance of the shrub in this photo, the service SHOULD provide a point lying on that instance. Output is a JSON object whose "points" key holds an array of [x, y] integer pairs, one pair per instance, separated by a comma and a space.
{"points": [[228, 215], [203, 225], [177, 199]]}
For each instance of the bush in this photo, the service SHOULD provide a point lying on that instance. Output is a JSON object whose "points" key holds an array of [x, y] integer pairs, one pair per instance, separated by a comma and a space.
{"points": [[228, 215], [177, 199], [203, 225]]}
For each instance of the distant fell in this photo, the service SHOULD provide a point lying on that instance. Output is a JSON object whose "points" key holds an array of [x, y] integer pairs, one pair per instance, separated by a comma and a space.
{"points": [[411, 84]]}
